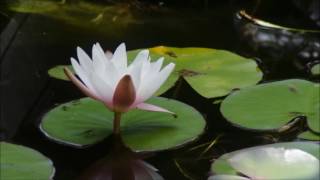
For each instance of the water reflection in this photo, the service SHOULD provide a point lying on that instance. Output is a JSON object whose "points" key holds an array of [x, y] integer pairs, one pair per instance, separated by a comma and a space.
{"points": [[277, 43], [121, 163]]}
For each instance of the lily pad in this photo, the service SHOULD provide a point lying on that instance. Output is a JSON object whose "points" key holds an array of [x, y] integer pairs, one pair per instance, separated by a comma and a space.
{"points": [[211, 72], [20, 162], [276, 163], [58, 73], [84, 122], [309, 135], [270, 106], [222, 166]]}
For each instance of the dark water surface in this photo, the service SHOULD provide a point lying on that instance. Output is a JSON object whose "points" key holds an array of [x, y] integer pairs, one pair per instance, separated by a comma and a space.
{"points": [[31, 43]]}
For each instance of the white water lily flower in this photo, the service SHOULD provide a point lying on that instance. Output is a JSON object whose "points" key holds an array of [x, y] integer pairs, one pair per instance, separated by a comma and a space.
{"points": [[107, 78]]}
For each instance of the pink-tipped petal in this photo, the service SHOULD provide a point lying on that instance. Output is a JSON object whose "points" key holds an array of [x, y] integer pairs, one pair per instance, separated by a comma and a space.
{"points": [[79, 84], [151, 107]]}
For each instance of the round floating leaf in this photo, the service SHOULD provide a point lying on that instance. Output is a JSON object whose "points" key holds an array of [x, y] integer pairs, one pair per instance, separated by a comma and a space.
{"points": [[269, 106], [211, 72], [223, 166], [85, 122], [19, 162], [309, 135], [275, 163]]}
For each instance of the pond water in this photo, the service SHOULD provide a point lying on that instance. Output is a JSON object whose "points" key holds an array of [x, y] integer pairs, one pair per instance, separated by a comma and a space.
{"points": [[36, 36]]}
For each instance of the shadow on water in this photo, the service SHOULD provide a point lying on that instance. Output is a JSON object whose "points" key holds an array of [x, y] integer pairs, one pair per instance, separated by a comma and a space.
{"points": [[32, 41]]}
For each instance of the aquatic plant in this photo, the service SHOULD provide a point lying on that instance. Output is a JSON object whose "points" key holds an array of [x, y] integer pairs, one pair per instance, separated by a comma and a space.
{"points": [[107, 78], [20, 162], [210, 72], [272, 106]]}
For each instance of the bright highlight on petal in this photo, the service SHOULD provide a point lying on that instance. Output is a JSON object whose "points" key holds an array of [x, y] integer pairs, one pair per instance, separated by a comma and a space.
{"points": [[108, 78]]}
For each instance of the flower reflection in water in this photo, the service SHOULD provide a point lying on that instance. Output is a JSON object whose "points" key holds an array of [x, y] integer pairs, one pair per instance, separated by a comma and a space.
{"points": [[121, 164]]}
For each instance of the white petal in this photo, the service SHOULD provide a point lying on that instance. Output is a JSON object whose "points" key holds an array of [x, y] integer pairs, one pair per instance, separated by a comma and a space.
{"points": [[151, 107], [111, 74], [98, 60], [81, 73], [80, 85], [101, 52], [119, 58], [84, 59], [145, 70], [156, 66], [141, 56], [135, 72], [135, 68], [150, 86], [102, 88]]}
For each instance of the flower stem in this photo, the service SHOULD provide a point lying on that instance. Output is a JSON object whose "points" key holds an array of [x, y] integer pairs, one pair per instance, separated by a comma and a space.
{"points": [[116, 123]]}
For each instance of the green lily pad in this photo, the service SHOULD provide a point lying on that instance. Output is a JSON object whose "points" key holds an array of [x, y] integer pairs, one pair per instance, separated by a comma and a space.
{"points": [[309, 135], [270, 106], [85, 122], [20, 162], [223, 166], [211, 72], [276, 163], [58, 73]]}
